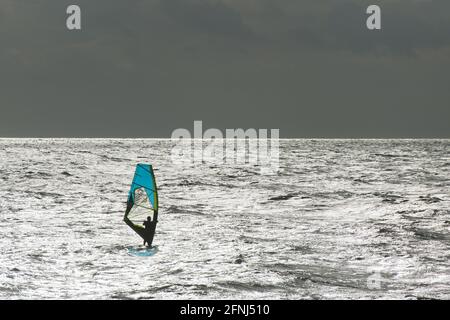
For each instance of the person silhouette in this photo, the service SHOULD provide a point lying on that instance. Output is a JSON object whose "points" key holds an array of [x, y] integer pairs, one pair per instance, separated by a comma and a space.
{"points": [[148, 228]]}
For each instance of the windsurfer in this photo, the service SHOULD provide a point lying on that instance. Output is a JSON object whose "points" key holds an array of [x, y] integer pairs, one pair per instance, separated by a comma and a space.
{"points": [[149, 229]]}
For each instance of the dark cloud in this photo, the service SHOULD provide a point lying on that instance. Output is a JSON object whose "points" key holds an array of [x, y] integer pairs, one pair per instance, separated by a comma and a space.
{"points": [[205, 17], [144, 68], [340, 25]]}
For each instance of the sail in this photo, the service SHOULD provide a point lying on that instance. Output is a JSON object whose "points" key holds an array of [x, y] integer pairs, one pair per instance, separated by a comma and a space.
{"points": [[142, 202]]}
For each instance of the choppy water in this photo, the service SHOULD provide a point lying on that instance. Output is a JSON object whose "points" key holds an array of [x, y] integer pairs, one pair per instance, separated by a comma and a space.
{"points": [[352, 219]]}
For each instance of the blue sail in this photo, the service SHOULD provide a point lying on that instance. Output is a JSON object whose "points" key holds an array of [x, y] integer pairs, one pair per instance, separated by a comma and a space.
{"points": [[144, 178]]}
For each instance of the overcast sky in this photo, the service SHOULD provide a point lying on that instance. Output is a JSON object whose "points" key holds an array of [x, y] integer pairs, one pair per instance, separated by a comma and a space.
{"points": [[142, 68]]}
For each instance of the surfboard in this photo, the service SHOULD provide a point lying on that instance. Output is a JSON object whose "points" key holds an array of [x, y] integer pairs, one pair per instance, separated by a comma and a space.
{"points": [[142, 251]]}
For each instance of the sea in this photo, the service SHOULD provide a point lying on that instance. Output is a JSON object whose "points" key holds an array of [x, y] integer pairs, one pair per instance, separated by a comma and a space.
{"points": [[340, 219]]}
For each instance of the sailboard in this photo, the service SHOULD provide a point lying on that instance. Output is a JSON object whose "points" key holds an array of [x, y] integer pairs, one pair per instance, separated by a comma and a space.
{"points": [[142, 203], [142, 252]]}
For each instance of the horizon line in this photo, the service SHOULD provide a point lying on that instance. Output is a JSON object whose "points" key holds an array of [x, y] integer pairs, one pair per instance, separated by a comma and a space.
{"points": [[234, 138]]}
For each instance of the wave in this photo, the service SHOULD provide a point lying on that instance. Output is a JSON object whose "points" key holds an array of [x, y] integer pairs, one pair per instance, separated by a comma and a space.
{"points": [[173, 209], [429, 199], [247, 286], [387, 155], [284, 197], [430, 235], [390, 197]]}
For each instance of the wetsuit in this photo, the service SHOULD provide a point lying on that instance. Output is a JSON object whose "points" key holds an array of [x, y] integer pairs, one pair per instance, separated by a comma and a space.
{"points": [[149, 232]]}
